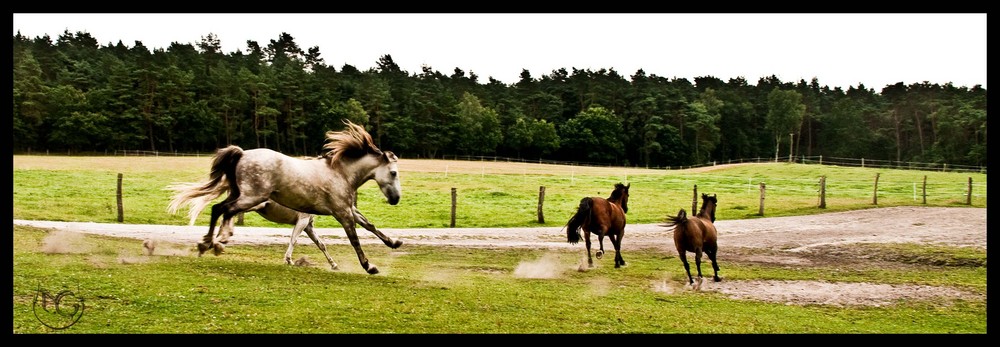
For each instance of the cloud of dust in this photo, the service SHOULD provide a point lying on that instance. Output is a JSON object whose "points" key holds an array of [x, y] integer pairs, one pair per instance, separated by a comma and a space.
{"points": [[545, 267], [154, 247], [63, 242]]}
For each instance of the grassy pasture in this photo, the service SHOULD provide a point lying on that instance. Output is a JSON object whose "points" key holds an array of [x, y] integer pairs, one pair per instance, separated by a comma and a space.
{"points": [[491, 194]]}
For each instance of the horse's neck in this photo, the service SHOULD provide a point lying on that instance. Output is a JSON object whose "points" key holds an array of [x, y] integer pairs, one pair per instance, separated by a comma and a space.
{"points": [[707, 212], [616, 201], [356, 171]]}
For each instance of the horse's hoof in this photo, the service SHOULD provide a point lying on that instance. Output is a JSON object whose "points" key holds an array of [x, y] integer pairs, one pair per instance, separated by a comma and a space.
{"points": [[396, 244], [202, 248], [599, 254], [218, 248], [372, 270], [334, 267], [717, 279]]}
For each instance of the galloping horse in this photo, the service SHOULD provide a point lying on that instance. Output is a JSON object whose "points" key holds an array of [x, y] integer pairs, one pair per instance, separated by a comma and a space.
{"points": [[697, 234], [604, 217], [271, 211], [320, 187]]}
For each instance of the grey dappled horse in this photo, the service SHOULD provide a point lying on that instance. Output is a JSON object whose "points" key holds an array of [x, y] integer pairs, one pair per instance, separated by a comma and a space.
{"points": [[325, 186]]}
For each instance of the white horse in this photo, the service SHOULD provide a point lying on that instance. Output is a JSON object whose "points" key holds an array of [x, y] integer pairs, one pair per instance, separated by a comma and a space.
{"points": [[327, 186]]}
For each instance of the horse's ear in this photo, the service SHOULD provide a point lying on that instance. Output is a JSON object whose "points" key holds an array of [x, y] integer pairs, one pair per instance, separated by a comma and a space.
{"points": [[629, 185], [389, 156]]}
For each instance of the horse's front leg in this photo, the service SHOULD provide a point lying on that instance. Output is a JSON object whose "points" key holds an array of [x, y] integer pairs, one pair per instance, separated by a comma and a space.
{"points": [[316, 240], [715, 265], [388, 241], [348, 222]]}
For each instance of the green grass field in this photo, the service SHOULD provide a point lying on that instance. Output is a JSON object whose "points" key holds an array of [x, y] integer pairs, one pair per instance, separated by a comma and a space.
{"points": [[491, 194]]}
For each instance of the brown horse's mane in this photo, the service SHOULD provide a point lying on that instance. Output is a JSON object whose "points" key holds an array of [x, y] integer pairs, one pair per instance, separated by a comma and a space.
{"points": [[705, 213], [352, 142], [617, 193]]}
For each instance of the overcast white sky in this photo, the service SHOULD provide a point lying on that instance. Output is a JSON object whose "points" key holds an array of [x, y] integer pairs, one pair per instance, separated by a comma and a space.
{"points": [[840, 50]]}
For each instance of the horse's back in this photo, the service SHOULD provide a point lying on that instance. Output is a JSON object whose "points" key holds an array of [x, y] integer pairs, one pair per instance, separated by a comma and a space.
{"points": [[608, 214], [695, 233], [709, 234]]}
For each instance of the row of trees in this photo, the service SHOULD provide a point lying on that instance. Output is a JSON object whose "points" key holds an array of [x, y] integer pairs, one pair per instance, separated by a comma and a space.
{"points": [[77, 95]]}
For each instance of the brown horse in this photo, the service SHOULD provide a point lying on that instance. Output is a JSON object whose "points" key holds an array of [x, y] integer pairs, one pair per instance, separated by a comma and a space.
{"points": [[697, 234], [604, 217]]}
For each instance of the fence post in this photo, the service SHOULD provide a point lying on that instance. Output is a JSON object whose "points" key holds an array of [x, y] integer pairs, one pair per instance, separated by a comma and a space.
{"points": [[121, 212], [694, 200], [761, 211], [875, 193], [541, 198], [454, 201], [925, 190], [968, 198], [822, 191]]}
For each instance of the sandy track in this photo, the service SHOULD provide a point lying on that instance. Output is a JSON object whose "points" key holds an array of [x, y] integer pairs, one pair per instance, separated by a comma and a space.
{"points": [[931, 225]]}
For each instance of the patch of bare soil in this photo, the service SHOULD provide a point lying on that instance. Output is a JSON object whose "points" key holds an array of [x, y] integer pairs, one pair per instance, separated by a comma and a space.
{"points": [[830, 240]]}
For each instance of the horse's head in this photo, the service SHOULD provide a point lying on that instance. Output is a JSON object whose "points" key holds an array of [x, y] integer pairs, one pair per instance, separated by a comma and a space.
{"points": [[387, 177], [620, 195]]}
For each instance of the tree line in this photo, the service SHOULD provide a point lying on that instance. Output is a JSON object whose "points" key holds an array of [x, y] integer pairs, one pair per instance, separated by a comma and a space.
{"points": [[78, 96]]}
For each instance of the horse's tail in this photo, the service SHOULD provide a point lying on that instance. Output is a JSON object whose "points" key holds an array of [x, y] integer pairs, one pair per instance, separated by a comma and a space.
{"points": [[221, 180], [578, 219], [681, 218]]}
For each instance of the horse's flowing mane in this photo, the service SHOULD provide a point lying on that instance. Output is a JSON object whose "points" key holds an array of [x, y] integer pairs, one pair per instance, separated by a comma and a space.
{"points": [[353, 142], [618, 192]]}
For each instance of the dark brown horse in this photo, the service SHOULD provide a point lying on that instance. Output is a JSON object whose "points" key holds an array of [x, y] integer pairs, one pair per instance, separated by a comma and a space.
{"points": [[697, 234], [604, 217]]}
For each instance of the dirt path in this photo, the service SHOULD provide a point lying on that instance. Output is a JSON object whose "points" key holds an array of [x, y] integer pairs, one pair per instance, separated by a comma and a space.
{"points": [[785, 240]]}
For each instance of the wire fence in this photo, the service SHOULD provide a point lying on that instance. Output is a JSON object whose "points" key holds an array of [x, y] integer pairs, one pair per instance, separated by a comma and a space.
{"points": [[821, 160]]}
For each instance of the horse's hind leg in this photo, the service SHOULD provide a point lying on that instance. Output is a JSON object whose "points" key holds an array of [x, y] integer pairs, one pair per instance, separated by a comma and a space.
{"points": [[617, 242], [296, 231], [600, 243], [226, 209], [687, 267], [590, 260], [715, 265], [208, 241], [697, 263]]}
